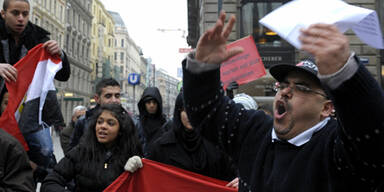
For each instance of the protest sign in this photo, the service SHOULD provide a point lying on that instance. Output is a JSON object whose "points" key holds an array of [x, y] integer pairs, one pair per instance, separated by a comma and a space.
{"points": [[244, 67]]}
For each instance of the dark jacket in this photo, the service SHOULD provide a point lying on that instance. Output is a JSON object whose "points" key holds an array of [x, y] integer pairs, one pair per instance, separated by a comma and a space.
{"points": [[149, 126], [190, 151], [95, 175], [31, 36], [81, 127], [65, 137], [11, 53], [15, 171], [345, 155]]}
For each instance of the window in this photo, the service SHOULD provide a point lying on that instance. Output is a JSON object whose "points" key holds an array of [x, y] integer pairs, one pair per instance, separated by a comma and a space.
{"points": [[273, 49], [54, 7], [122, 56], [36, 21], [115, 56], [60, 39], [67, 43], [73, 45], [61, 13], [81, 50], [74, 19], [122, 42], [251, 14], [77, 49], [79, 22], [87, 55]]}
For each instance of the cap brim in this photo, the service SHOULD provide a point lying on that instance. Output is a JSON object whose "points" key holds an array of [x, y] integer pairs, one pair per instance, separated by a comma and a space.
{"points": [[279, 72]]}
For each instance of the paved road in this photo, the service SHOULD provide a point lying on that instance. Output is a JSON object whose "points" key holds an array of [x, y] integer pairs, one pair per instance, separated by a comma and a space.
{"points": [[57, 147], [56, 150]]}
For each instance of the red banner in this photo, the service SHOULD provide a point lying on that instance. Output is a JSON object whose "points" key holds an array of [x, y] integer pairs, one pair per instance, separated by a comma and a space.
{"points": [[244, 67], [156, 176]]}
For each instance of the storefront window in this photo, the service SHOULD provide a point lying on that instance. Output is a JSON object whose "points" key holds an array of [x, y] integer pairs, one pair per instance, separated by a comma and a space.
{"points": [[272, 48], [252, 13]]}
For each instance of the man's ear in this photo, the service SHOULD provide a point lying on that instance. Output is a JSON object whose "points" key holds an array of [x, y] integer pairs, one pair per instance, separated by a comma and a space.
{"points": [[327, 109], [96, 97], [2, 13]]}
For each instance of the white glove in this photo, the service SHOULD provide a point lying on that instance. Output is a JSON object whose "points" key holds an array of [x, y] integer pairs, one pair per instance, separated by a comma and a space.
{"points": [[133, 164]]}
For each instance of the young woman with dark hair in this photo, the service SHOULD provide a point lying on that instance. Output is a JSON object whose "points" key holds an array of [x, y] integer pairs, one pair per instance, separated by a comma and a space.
{"points": [[97, 161]]}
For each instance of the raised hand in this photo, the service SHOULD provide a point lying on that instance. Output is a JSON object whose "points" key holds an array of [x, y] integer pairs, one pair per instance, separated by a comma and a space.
{"points": [[329, 46], [211, 47]]}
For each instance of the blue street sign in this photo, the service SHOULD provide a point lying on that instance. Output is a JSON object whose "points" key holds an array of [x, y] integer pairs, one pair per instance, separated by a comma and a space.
{"points": [[180, 72], [134, 78]]}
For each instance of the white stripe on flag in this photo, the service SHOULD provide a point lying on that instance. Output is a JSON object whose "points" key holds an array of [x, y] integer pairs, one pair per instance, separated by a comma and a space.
{"points": [[42, 82]]}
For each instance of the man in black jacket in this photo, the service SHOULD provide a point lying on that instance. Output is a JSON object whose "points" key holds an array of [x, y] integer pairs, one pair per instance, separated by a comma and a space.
{"points": [[18, 36], [301, 148], [107, 92]]}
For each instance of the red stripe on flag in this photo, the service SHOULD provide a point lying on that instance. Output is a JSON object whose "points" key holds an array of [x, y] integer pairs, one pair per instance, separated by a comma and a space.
{"points": [[25, 71]]}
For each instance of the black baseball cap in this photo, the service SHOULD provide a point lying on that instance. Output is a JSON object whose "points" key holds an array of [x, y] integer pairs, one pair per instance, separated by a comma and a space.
{"points": [[279, 72]]}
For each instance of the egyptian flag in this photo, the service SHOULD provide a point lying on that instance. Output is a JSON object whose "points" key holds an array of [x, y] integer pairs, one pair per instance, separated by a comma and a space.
{"points": [[156, 176], [35, 76]]}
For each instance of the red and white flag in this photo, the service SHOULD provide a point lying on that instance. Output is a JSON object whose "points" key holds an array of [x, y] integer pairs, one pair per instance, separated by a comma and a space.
{"points": [[156, 176], [35, 77]]}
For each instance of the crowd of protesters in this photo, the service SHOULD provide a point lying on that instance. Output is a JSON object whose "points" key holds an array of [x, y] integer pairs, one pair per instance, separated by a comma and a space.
{"points": [[299, 146]]}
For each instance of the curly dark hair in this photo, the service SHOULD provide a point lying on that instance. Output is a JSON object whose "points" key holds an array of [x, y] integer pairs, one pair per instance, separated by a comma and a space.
{"points": [[126, 143]]}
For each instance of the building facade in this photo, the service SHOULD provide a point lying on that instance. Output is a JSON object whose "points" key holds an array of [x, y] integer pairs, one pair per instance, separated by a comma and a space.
{"points": [[102, 38], [167, 86], [78, 89], [136, 64], [202, 15], [128, 59], [53, 16]]}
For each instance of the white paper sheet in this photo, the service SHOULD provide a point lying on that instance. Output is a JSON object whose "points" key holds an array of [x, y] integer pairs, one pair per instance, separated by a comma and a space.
{"points": [[288, 19]]}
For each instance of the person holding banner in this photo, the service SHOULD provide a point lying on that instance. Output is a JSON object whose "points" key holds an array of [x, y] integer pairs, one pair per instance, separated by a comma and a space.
{"points": [[95, 163], [301, 148]]}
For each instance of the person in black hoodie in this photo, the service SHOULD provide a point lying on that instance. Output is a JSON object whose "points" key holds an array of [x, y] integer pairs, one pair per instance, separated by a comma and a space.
{"points": [[183, 146], [94, 164], [151, 118]]}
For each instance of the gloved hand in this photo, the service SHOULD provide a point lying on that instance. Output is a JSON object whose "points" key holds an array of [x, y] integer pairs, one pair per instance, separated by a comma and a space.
{"points": [[133, 164]]}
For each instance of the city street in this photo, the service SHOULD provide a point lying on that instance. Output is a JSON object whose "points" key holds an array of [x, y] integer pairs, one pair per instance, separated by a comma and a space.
{"points": [[56, 150], [57, 147]]}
